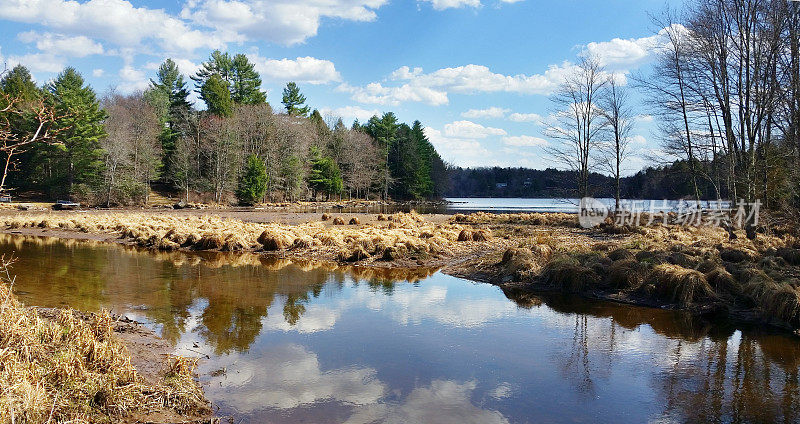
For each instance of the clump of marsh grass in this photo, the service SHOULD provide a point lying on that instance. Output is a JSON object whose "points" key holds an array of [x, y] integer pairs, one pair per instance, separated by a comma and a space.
{"points": [[568, 275], [523, 263], [481, 235], [626, 274], [790, 255], [735, 255], [75, 370], [723, 282], [552, 219], [681, 285], [273, 240]]}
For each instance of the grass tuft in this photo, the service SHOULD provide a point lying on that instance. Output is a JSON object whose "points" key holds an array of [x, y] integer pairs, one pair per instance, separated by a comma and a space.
{"points": [[73, 369], [681, 285]]}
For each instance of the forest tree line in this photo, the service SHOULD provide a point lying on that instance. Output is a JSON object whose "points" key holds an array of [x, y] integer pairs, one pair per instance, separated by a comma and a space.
{"points": [[671, 182], [64, 141]]}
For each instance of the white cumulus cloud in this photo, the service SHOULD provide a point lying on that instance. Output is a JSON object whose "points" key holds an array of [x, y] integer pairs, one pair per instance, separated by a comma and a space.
{"points": [[59, 44], [285, 22], [376, 93], [526, 117], [469, 129], [116, 21], [351, 112], [524, 141], [460, 151], [492, 112], [309, 70]]}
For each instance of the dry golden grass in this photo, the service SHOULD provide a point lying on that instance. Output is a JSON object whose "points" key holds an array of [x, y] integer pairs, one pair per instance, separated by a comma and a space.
{"points": [[75, 370], [681, 285], [551, 219], [407, 234], [568, 275]]}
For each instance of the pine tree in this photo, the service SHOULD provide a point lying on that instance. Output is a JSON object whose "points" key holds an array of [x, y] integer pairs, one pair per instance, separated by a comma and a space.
{"points": [[19, 83], [325, 175], [169, 96], [216, 96], [246, 83], [384, 131], [293, 100], [421, 186], [253, 183], [243, 82], [219, 64], [79, 156]]}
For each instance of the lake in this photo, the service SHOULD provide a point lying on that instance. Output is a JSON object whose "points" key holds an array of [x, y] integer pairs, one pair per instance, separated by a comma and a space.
{"points": [[299, 342], [519, 205]]}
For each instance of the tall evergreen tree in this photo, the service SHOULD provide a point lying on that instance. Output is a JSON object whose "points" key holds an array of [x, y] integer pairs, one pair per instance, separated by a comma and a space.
{"points": [[216, 96], [219, 64], [23, 123], [384, 131], [169, 96], [294, 101], [19, 83], [421, 184], [245, 82], [79, 158]]}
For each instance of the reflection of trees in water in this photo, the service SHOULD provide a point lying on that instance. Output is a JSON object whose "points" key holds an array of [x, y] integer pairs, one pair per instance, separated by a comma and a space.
{"points": [[735, 382], [705, 372], [577, 365], [237, 289], [60, 270]]}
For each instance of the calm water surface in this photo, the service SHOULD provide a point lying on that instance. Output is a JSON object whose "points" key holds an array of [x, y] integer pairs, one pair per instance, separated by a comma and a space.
{"points": [[301, 343], [517, 205], [513, 205]]}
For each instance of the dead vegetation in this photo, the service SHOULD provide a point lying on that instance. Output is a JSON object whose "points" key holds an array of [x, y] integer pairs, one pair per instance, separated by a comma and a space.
{"points": [[694, 268], [401, 235], [74, 369]]}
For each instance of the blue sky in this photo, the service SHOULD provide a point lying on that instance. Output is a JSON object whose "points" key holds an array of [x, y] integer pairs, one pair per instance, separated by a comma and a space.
{"points": [[477, 73]]}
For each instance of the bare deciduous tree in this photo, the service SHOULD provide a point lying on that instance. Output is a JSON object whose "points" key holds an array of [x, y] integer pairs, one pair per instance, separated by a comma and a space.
{"points": [[132, 148], [615, 108], [361, 165], [578, 120]]}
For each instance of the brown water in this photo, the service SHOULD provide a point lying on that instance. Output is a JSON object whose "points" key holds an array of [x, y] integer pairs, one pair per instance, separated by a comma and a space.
{"points": [[299, 343]]}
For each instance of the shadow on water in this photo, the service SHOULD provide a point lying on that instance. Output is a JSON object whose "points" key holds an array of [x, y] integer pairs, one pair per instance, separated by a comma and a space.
{"points": [[314, 342]]}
